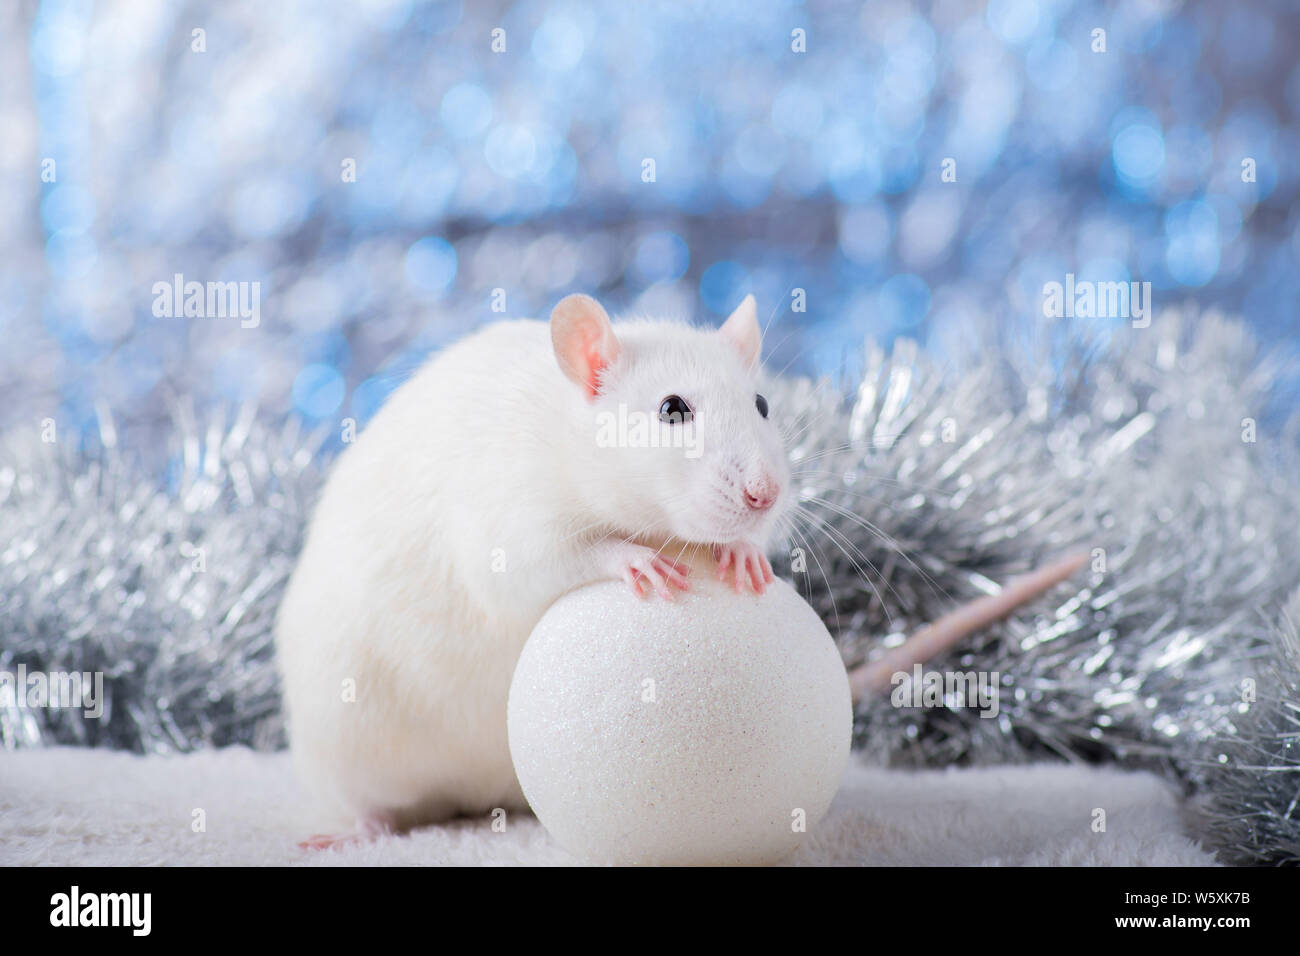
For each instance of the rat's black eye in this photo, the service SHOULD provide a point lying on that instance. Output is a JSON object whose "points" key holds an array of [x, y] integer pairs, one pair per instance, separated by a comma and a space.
{"points": [[675, 411], [761, 404]]}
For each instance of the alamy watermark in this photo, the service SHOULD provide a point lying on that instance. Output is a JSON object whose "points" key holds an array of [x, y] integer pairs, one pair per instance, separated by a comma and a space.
{"points": [[1098, 300], [133, 911], [81, 690], [209, 300], [921, 688], [630, 428]]}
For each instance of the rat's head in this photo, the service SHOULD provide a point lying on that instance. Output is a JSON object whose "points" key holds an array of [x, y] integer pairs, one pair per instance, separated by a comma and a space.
{"points": [[679, 425]]}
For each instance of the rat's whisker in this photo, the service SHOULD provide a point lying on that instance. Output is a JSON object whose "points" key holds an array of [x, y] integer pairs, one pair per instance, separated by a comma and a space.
{"points": [[836, 536], [772, 318], [586, 529], [798, 355], [889, 541], [825, 580], [826, 474]]}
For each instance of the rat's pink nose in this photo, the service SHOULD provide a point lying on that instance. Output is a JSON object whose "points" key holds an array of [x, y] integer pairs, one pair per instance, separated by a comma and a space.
{"points": [[761, 493]]}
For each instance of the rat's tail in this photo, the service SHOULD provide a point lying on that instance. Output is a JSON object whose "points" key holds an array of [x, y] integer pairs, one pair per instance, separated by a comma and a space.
{"points": [[937, 637]]}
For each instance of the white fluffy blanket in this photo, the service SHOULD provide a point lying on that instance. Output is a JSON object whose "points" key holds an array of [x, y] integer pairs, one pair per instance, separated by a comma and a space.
{"points": [[96, 807]]}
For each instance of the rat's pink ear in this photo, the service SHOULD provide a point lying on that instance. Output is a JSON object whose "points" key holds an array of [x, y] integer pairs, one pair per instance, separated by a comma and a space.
{"points": [[741, 329], [583, 339]]}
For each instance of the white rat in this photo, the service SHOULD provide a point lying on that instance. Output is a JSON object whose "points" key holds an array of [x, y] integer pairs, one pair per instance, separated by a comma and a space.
{"points": [[518, 464], [491, 483]]}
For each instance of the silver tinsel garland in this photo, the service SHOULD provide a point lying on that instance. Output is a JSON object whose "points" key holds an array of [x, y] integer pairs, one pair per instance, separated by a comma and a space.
{"points": [[166, 579], [920, 488], [1250, 803], [1135, 454]]}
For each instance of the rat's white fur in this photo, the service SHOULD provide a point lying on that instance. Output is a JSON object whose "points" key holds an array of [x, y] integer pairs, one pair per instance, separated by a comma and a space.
{"points": [[477, 496]]}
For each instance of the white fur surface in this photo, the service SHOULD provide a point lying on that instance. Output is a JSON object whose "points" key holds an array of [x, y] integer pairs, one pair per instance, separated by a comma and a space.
{"points": [[68, 806]]}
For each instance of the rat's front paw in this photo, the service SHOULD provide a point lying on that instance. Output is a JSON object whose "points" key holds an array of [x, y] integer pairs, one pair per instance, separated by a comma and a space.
{"points": [[645, 570], [746, 563]]}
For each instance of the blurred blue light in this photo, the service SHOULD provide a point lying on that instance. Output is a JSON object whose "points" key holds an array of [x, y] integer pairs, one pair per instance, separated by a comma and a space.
{"points": [[549, 148], [510, 150], [1015, 21], [195, 141], [1194, 217], [377, 188], [1293, 89], [270, 205], [1036, 270], [1051, 65], [901, 169], [428, 185], [318, 391], [897, 122], [1103, 269], [1139, 154], [58, 45], [865, 232], [558, 43], [1192, 254], [466, 110], [141, 366], [903, 301], [1189, 154], [743, 187], [852, 167], [329, 347], [431, 265], [71, 255], [1192, 260], [723, 285], [370, 395], [238, 374], [986, 111], [1250, 130], [759, 150], [563, 174], [797, 110], [397, 128], [386, 14], [1197, 98], [68, 207], [820, 170], [13, 298], [668, 142], [1246, 38], [908, 74], [1251, 122], [661, 256], [441, 16], [1227, 215]]}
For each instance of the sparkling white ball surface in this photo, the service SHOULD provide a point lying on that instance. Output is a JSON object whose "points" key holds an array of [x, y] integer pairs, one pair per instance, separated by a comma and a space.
{"points": [[713, 729]]}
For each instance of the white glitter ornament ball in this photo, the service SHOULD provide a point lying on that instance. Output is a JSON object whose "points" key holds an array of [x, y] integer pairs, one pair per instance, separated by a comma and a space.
{"points": [[712, 729]]}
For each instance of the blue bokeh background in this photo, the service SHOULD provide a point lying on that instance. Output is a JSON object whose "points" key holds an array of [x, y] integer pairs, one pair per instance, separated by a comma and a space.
{"points": [[221, 155]]}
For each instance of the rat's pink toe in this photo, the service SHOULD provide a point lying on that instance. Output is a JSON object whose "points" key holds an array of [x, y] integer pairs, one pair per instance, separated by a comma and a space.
{"points": [[326, 841]]}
